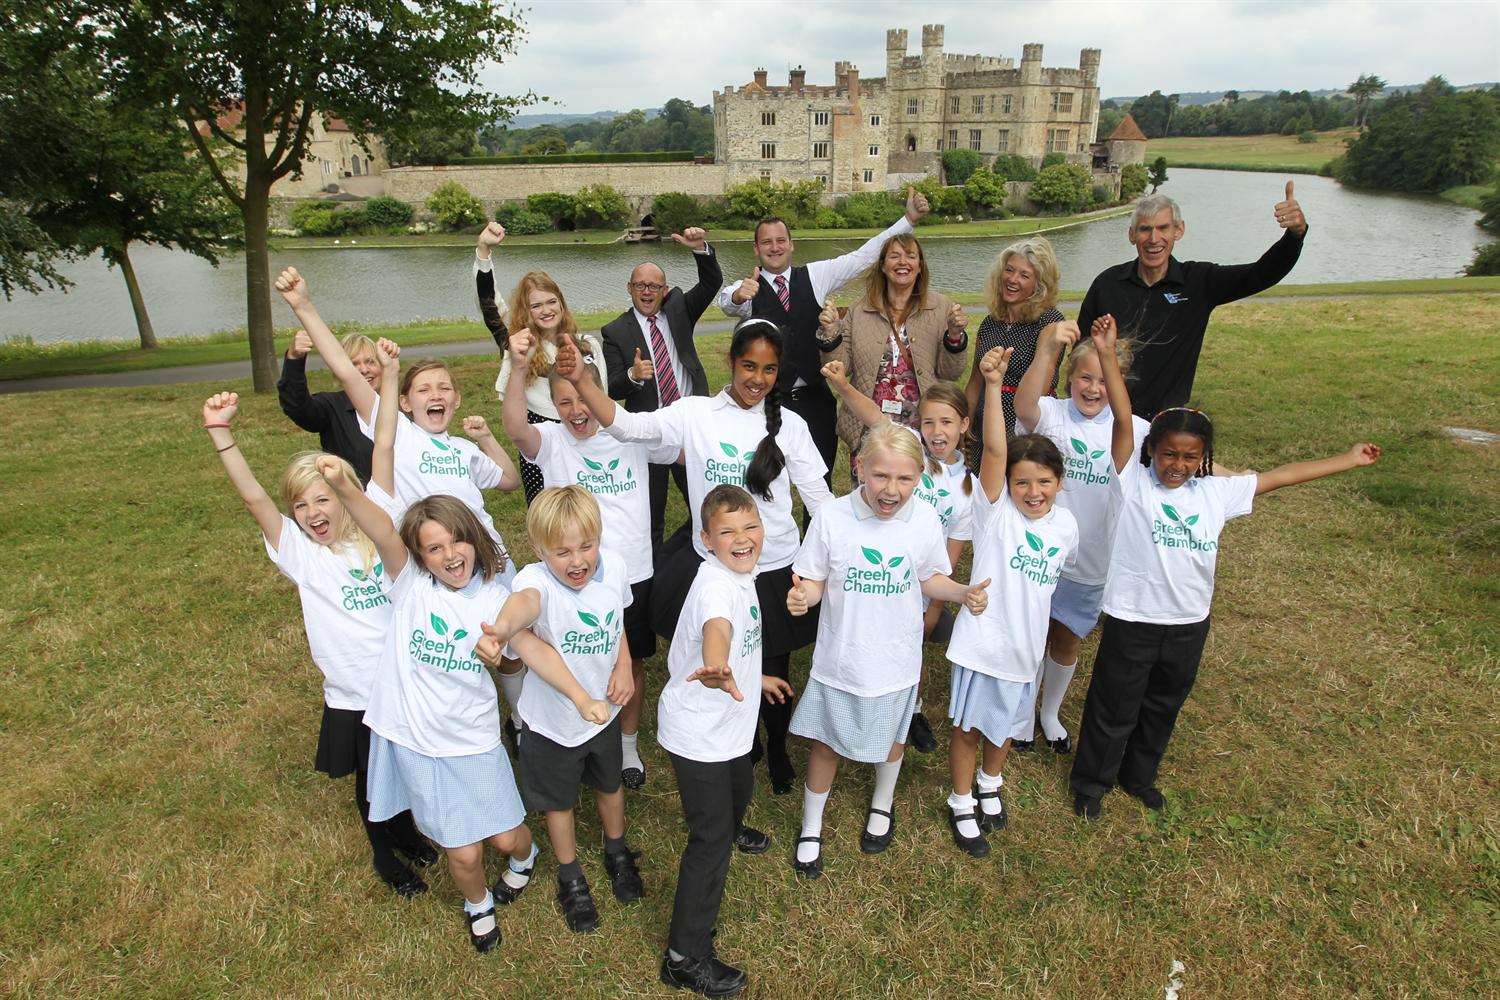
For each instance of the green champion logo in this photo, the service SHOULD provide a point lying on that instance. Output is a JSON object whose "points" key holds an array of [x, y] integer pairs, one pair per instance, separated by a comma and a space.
{"points": [[439, 649], [881, 580], [730, 469], [448, 461], [1083, 449], [935, 497], [1176, 532], [601, 477], [1079, 464], [750, 641], [365, 593], [1172, 515], [441, 628], [755, 614], [1033, 560], [598, 637], [374, 575]]}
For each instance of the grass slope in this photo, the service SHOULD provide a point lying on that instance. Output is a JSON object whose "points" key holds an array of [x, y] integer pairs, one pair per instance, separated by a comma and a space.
{"points": [[1333, 818], [1251, 152]]}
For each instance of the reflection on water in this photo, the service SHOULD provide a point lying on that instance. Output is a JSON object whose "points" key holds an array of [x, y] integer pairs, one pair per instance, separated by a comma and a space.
{"points": [[1354, 236]]}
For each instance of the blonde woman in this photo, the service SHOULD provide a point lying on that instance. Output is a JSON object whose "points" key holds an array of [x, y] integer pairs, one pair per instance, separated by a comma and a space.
{"points": [[330, 415], [537, 305], [1022, 293]]}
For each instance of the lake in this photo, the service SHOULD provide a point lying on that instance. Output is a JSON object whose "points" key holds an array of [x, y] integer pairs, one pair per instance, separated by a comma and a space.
{"points": [[1353, 236]]}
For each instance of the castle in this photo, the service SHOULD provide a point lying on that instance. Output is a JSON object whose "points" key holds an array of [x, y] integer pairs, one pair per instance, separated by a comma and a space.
{"points": [[879, 133]]}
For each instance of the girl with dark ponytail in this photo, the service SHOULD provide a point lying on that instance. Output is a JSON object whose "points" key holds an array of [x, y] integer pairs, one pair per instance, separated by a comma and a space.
{"points": [[741, 436]]}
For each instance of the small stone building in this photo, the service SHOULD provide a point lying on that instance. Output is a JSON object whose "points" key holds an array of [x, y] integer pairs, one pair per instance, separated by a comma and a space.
{"points": [[1125, 145]]}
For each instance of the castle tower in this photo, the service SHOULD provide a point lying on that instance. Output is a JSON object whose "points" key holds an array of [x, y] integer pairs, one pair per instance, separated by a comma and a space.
{"points": [[895, 50], [1088, 65], [1088, 68], [1031, 64], [932, 55]]}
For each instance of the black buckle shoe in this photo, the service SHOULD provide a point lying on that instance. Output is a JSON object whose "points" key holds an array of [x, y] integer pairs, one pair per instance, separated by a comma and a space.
{"points": [[1086, 806], [1022, 746], [577, 905], [1151, 797], [488, 941], [974, 847], [504, 894], [633, 778], [624, 877], [1061, 746], [871, 844], [402, 880], [422, 854], [813, 868], [986, 821], [751, 841], [919, 735], [707, 976]]}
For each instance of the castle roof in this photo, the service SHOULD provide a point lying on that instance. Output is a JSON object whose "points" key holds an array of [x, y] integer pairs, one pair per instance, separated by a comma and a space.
{"points": [[1127, 131]]}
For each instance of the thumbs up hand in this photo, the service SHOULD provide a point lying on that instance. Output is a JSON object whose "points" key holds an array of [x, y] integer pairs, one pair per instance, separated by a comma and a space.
{"points": [[642, 369], [976, 600], [692, 237], [748, 289], [1289, 213], [796, 598]]}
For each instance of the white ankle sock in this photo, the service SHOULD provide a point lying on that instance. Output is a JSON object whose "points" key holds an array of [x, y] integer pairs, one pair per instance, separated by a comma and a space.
{"points": [[511, 685], [631, 752], [883, 796], [518, 872], [1055, 680], [989, 783], [487, 903], [812, 822], [964, 804]]}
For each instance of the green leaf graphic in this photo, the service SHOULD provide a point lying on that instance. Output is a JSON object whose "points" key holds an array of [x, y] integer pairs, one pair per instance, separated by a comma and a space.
{"points": [[729, 449], [588, 619], [1034, 542], [460, 634], [895, 562], [873, 555], [926, 481], [438, 625], [1052, 552], [755, 613], [942, 493], [593, 465], [1079, 446], [614, 465], [380, 569], [1097, 454], [628, 475], [609, 618], [749, 455], [440, 444], [1170, 511], [908, 572], [1192, 519], [358, 574]]}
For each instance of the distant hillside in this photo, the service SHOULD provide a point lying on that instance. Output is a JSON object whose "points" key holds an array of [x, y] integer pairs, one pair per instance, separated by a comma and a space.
{"points": [[1201, 97], [532, 121]]}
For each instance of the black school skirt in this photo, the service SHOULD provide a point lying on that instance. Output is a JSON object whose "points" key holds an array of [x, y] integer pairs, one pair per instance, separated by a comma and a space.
{"points": [[343, 742]]}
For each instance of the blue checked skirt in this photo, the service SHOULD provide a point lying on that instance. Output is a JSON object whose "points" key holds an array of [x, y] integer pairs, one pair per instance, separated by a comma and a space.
{"points": [[987, 703], [856, 728], [456, 801], [1076, 606]]}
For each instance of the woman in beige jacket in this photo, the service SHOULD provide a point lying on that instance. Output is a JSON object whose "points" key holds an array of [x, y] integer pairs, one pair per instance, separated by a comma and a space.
{"points": [[897, 340]]}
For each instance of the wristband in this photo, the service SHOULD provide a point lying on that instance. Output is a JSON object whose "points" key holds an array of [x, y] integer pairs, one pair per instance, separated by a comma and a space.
{"points": [[206, 426], [226, 447]]}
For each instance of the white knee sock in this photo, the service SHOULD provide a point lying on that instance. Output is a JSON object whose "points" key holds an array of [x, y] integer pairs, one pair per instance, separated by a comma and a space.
{"points": [[1055, 680], [812, 822], [511, 685], [964, 804], [989, 783], [630, 749], [486, 925], [884, 796]]}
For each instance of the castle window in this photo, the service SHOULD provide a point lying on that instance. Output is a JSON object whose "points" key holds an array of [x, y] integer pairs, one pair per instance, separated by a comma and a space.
{"points": [[820, 118], [820, 150], [869, 176], [953, 105], [768, 151], [953, 138], [911, 105], [822, 180], [1058, 140], [1003, 145], [977, 104], [1005, 104], [768, 118], [874, 121], [975, 136], [765, 175], [874, 150], [1062, 103]]}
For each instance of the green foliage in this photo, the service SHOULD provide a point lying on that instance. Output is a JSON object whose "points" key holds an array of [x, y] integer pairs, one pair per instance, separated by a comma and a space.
{"points": [[27, 254], [985, 194], [1109, 118], [751, 200], [958, 164], [660, 156], [1486, 260], [1489, 204], [1158, 172], [870, 209], [673, 211], [1053, 159], [1100, 195], [522, 221], [315, 218], [1427, 140], [1132, 180], [796, 201], [454, 207], [598, 206], [546, 146], [946, 203], [553, 205], [681, 125], [1307, 137], [1267, 114], [1013, 167], [1062, 187], [431, 136], [387, 213]]}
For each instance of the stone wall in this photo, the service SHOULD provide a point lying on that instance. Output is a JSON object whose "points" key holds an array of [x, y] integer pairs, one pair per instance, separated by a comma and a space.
{"points": [[497, 183]]}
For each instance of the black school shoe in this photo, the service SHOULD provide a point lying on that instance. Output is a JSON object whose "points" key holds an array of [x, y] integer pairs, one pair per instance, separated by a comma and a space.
{"points": [[422, 854], [483, 942], [577, 905], [1151, 798], [987, 822], [751, 841], [633, 778], [706, 976], [919, 736], [624, 877], [783, 775], [1061, 746], [1086, 806], [402, 881], [974, 847], [504, 894], [871, 844], [1022, 746], [809, 869]]}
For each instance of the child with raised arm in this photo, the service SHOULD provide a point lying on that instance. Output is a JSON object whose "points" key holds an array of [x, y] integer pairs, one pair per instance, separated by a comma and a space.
{"points": [[574, 599], [346, 611], [869, 558], [1159, 588], [706, 723], [1022, 540], [436, 748], [575, 452]]}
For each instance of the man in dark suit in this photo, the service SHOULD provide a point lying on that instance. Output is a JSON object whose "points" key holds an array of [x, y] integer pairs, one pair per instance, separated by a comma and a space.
{"points": [[650, 355]]}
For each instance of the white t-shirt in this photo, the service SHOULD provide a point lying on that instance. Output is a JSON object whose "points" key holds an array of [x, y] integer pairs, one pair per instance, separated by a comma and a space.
{"points": [[701, 723], [1166, 544], [718, 438], [870, 627], [346, 611], [615, 472], [1023, 559], [1085, 443], [944, 492], [429, 464], [584, 626], [430, 694]]}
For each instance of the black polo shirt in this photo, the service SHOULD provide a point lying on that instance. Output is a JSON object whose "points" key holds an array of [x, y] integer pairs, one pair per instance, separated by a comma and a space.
{"points": [[1167, 320], [329, 415]]}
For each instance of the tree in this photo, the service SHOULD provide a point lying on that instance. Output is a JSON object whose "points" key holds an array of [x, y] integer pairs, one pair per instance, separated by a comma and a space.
{"points": [[1158, 173], [1133, 180], [1490, 206], [958, 164], [431, 136], [1062, 187], [1428, 140], [253, 75], [1172, 101], [1231, 96], [1362, 89], [985, 193], [26, 254]]}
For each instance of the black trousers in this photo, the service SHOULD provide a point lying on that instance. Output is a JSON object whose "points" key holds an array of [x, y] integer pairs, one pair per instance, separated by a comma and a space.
{"points": [[816, 405], [714, 800], [1142, 676], [658, 487]]}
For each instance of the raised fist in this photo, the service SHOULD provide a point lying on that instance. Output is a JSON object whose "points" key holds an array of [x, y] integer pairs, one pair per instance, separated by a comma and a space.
{"points": [[389, 353], [491, 235], [476, 428], [221, 407], [300, 347], [522, 345], [1065, 334], [293, 287], [834, 372], [693, 237], [829, 318], [958, 320], [992, 366], [916, 205]]}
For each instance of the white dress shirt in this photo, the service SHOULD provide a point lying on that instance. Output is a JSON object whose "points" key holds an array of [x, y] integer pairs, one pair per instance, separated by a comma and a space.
{"points": [[827, 276], [684, 380]]}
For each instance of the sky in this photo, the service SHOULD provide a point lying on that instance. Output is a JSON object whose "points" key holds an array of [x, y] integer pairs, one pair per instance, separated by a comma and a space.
{"points": [[592, 56]]}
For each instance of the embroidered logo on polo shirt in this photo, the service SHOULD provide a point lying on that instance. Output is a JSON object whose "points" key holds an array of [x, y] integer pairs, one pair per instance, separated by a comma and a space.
{"points": [[1033, 561], [366, 594], [1174, 297], [601, 479], [596, 639], [732, 471], [1177, 532], [439, 649], [882, 580]]}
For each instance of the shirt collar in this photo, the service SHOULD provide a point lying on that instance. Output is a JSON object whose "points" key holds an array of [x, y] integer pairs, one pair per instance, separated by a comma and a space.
{"points": [[1103, 416], [644, 320], [863, 511], [743, 580], [1174, 275], [723, 400], [598, 574]]}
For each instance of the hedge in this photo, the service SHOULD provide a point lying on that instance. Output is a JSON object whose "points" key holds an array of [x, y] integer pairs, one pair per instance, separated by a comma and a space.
{"points": [[668, 156]]}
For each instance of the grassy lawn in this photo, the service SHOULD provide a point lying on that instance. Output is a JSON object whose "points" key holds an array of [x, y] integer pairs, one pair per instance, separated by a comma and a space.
{"points": [[1467, 195], [1332, 828], [1251, 152]]}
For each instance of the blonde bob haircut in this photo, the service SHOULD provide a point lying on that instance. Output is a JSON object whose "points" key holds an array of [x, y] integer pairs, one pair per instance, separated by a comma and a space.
{"points": [[461, 522], [1124, 352], [1037, 252], [355, 344], [303, 473], [558, 510], [894, 439]]}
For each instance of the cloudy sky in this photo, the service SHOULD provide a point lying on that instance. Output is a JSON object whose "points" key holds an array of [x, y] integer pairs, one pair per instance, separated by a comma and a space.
{"points": [[591, 56]]}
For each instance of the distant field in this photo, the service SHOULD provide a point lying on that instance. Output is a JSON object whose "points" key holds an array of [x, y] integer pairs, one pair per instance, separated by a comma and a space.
{"points": [[1251, 152]]}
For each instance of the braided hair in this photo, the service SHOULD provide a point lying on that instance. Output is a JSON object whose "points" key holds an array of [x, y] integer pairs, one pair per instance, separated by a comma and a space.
{"points": [[768, 460], [1181, 419]]}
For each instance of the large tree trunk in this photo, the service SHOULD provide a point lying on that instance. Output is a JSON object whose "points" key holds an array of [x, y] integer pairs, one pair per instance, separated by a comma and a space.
{"points": [[137, 301], [255, 212]]}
